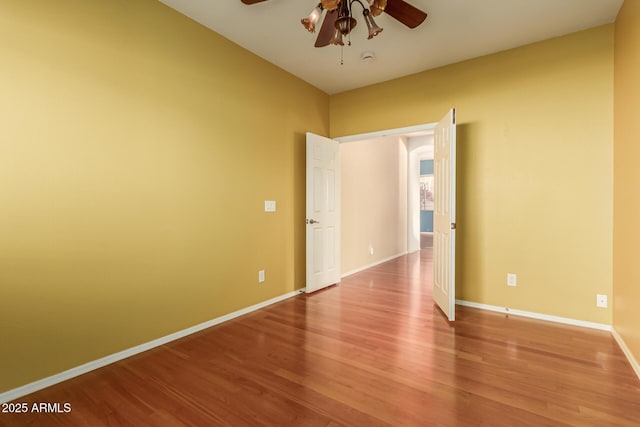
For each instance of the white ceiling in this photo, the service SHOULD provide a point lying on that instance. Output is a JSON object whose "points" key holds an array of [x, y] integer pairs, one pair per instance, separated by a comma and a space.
{"points": [[455, 30]]}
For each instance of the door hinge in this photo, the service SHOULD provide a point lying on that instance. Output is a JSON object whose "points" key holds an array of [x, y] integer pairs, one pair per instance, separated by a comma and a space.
{"points": [[453, 225]]}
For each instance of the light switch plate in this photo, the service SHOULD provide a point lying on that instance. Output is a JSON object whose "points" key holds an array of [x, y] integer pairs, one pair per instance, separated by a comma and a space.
{"points": [[269, 205]]}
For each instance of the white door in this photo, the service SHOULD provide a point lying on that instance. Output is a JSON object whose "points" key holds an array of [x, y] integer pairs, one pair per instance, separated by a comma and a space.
{"points": [[444, 215], [323, 212]]}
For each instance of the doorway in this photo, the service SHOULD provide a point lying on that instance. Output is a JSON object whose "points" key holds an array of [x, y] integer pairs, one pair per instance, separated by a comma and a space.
{"points": [[381, 195], [443, 134]]}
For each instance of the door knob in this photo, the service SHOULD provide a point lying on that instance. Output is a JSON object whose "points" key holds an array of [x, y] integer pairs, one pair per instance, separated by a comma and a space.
{"points": [[312, 221]]}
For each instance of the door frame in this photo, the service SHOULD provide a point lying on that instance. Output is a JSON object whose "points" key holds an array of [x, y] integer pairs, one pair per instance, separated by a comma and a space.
{"points": [[389, 132]]}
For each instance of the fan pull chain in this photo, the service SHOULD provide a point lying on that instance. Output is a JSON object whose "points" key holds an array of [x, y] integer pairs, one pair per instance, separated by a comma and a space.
{"points": [[341, 55]]}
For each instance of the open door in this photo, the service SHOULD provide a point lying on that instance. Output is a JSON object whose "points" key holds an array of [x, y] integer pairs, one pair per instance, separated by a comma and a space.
{"points": [[323, 212], [444, 215]]}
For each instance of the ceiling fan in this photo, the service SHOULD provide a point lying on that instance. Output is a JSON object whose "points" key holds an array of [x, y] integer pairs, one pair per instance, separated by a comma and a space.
{"points": [[339, 22]]}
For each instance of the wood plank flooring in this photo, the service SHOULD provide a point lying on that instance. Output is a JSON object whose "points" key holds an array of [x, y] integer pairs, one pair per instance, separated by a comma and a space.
{"points": [[373, 351]]}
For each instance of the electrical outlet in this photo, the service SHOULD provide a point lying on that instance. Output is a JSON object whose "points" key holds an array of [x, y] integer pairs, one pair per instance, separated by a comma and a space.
{"points": [[370, 249], [512, 279], [261, 276], [601, 301]]}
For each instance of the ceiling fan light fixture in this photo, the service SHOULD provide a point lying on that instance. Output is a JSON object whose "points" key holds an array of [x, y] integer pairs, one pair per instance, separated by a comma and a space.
{"points": [[336, 39], [374, 30], [339, 16], [377, 6], [345, 24], [310, 21]]}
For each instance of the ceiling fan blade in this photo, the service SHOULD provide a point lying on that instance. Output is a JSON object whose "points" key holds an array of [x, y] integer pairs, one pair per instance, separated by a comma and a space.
{"points": [[327, 29], [405, 13], [252, 1]]}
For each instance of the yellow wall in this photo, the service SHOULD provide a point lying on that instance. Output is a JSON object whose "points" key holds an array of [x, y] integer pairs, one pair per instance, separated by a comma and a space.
{"points": [[535, 147], [136, 150], [374, 201], [626, 270]]}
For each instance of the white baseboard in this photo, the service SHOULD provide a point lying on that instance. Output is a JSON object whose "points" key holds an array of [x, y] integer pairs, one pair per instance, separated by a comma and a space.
{"points": [[627, 352], [568, 321], [382, 261], [107, 360], [539, 316]]}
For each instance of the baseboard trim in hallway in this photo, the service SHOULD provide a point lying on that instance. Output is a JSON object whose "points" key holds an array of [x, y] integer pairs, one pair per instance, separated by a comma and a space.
{"points": [[368, 266]]}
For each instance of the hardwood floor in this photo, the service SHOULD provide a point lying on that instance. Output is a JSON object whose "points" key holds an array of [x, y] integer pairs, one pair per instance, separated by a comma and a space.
{"points": [[372, 351], [426, 240]]}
